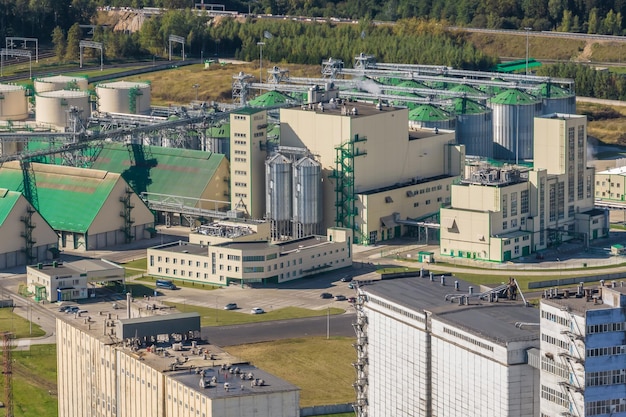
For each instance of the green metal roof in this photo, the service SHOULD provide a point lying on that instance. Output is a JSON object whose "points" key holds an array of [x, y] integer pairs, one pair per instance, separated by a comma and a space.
{"points": [[513, 97], [467, 106], [69, 198], [221, 131], [181, 172], [549, 90], [248, 111], [464, 88], [517, 65], [428, 113], [8, 199], [271, 98]]}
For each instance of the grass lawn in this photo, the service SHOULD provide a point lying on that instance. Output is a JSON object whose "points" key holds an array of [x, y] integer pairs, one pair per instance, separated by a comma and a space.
{"points": [[141, 264], [220, 317], [11, 322], [320, 367], [34, 382]]}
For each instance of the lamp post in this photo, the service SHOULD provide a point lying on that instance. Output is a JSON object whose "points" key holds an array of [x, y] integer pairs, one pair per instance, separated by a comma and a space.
{"points": [[527, 29], [195, 87], [260, 60]]}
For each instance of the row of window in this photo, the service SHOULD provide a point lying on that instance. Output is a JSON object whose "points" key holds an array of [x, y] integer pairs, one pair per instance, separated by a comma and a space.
{"points": [[614, 406], [183, 262], [606, 351], [241, 172], [240, 142], [242, 195], [612, 195], [239, 135], [612, 377], [239, 159], [606, 327], [239, 117], [612, 184], [554, 341], [241, 184], [239, 152], [553, 367], [393, 308], [468, 339], [555, 318], [554, 396]]}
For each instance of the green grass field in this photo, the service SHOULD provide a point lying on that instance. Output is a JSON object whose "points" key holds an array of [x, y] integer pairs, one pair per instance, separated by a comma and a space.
{"points": [[220, 317], [20, 327], [320, 367]]}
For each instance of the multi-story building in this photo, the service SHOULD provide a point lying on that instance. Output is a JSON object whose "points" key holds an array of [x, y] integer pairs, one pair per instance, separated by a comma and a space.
{"points": [[583, 343], [503, 214], [246, 262], [437, 347], [378, 177], [248, 134], [611, 185], [157, 366]]}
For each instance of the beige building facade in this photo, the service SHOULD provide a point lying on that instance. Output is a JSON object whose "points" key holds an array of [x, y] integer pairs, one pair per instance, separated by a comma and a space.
{"points": [[503, 214], [611, 185], [372, 165], [248, 262]]}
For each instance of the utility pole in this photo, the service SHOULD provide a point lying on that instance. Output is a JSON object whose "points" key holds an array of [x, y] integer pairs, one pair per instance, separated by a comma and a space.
{"points": [[527, 29], [260, 60]]}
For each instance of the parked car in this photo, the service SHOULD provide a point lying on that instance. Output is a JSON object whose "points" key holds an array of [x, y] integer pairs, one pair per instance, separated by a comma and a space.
{"points": [[352, 285], [72, 310], [352, 300], [326, 295], [257, 310], [346, 279], [230, 306], [340, 298]]}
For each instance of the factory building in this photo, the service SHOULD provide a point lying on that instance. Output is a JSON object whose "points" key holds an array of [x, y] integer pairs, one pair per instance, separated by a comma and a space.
{"points": [[89, 209], [249, 262], [26, 236], [430, 346], [158, 366], [378, 178], [160, 172], [611, 185], [583, 371], [58, 281], [499, 214], [230, 230]]}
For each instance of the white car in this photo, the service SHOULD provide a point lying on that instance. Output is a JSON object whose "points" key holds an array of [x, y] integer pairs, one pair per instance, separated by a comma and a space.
{"points": [[257, 310]]}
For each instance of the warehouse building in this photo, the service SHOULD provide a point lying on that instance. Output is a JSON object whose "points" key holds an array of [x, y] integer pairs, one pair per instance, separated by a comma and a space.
{"points": [[583, 371], [26, 236], [611, 185], [158, 366], [89, 209], [250, 262], [499, 214], [430, 346]]}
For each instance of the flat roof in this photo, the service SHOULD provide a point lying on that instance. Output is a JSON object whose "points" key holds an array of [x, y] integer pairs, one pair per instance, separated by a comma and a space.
{"points": [[614, 171], [423, 133], [245, 245], [83, 265], [183, 247], [493, 321], [405, 184], [345, 108]]}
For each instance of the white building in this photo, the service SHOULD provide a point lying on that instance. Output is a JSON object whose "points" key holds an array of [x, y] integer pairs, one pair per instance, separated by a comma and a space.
{"points": [[583, 348], [157, 367], [424, 351]]}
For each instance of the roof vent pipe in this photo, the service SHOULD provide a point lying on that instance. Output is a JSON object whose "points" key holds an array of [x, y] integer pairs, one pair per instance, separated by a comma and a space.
{"points": [[456, 285], [431, 276], [471, 290], [128, 305], [443, 281]]}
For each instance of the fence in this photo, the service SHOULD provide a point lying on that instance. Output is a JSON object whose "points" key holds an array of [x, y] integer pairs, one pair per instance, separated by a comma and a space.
{"points": [[319, 410], [575, 280]]}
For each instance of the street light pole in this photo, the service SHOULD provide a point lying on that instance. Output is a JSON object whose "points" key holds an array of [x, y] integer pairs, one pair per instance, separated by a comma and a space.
{"points": [[527, 29], [195, 87], [260, 60]]}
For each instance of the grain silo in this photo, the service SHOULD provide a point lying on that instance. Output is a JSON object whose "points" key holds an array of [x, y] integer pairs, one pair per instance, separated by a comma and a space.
{"points": [[430, 116], [124, 97], [13, 102], [307, 197], [513, 123], [555, 99], [474, 127], [55, 108], [60, 82], [278, 199]]}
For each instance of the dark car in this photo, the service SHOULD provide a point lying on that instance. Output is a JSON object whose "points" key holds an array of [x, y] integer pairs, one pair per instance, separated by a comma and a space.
{"points": [[230, 306], [326, 295], [346, 279], [340, 298]]}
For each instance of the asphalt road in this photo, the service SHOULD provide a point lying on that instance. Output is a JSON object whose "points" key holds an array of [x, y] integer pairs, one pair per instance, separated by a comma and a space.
{"points": [[339, 325]]}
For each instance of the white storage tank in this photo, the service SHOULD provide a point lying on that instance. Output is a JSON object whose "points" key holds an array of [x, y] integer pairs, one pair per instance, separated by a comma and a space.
{"points": [[278, 198], [53, 107], [307, 197], [60, 82], [13, 102], [124, 97]]}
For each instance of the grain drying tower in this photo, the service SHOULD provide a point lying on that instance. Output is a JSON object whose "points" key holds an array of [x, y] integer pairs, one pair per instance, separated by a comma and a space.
{"points": [[55, 108], [60, 82], [124, 97]]}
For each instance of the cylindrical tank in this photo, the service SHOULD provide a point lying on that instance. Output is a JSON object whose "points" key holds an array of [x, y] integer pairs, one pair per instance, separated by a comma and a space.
{"points": [[60, 82], [307, 197], [218, 139], [56, 108], [556, 99], [269, 99], [13, 102], [513, 124], [465, 89], [124, 97], [278, 198], [430, 116], [474, 127]]}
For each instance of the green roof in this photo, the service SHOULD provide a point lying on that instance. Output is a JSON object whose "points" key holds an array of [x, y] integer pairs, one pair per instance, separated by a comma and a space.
{"points": [[517, 65], [269, 99], [248, 111], [181, 172], [69, 198], [549, 90], [467, 106], [428, 113], [221, 131], [464, 88], [8, 199], [513, 97]]}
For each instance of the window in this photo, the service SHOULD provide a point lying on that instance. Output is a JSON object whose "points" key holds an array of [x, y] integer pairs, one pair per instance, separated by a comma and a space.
{"points": [[234, 257], [505, 225], [513, 204], [427, 202], [513, 223], [255, 258], [504, 207]]}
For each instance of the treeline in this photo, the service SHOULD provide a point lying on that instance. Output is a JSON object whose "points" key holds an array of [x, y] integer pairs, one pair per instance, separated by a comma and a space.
{"points": [[410, 41], [589, 81]]}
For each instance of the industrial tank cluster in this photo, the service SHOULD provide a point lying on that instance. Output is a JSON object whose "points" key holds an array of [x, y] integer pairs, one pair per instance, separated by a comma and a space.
{"points": [[293, 184]]}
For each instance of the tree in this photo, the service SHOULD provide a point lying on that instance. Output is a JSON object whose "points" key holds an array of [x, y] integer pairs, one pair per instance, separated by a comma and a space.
{"points": [[58, 40], [73, 43], [594, 24], [566, 22]]}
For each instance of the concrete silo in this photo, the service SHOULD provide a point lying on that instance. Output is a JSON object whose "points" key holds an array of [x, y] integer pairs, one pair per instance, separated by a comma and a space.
{"points": [[13, 102], [60, 82], [55, 108], [474, 127], [278, 198], [513, 124], [430, 116], [307, 197], [555, 99], [124, 97]]}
